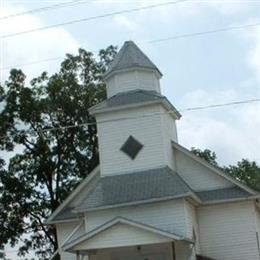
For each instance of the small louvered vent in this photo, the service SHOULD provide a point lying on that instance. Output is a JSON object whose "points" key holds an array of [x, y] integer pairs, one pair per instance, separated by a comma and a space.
{"points": [[131, 147]]}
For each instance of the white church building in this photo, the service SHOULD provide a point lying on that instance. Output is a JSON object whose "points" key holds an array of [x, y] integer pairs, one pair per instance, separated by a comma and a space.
{"points": [[151, 198]]}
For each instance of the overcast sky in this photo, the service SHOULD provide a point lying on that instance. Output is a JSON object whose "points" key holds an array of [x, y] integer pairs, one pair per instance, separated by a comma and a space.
{"points": [[198, 71]]}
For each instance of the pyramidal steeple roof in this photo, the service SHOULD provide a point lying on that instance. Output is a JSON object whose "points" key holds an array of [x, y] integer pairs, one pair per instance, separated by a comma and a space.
{"points": [[130, 56]]}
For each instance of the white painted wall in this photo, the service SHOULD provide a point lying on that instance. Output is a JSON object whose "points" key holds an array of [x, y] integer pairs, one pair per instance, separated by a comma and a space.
{"points": [[121, 235], [168, 216], [132, 80], [63, 231], [154, 132], [169, 133], [257, 223], [228, 231], [192, 225], [198, 176]]}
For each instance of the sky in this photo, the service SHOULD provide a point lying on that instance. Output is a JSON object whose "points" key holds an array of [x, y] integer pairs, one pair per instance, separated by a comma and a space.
{"points": [[198, 71]]}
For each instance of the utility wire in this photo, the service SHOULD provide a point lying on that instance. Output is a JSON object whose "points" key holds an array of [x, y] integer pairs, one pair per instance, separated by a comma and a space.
{"points": [[155, 114], [31, 63], [44, 9], [91, 18], [212, 106], [221, 105], [176, 37], [195, 34]]}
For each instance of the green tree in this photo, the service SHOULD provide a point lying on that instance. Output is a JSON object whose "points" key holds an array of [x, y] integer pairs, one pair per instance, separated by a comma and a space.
{"points": [[206, 154], [52, 162], [248, 172]]}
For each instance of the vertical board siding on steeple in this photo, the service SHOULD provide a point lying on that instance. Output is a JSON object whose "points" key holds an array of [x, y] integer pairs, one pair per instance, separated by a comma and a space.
{"points": [[132, 80], [130, 70], [169, 133]]}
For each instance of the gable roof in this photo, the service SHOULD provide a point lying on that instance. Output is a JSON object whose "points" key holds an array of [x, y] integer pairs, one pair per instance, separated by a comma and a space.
{"points": [[141, 187], [130, 56], [135, 188], [133, 97], [215, 169], [120, 220]]}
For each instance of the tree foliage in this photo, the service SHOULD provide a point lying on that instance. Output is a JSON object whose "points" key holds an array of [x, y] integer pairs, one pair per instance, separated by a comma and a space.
{"points": [[206, 154], [248, 172], [52, 159]]}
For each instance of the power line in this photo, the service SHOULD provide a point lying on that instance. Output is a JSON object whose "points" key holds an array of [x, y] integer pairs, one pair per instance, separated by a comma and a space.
{"points": [[240, 102], [91, 18], [221, 105], [212, 106], [44, 9], [156, 114], [32, 63], [195, 34], [176, 37]]}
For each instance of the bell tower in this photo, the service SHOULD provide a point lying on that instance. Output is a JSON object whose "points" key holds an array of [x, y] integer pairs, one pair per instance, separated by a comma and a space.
{"points": [[136, 123], [131, 70]]}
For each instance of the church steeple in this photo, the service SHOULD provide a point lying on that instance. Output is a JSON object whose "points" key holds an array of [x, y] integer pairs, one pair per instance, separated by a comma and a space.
{"points": [[130, 57], [131, 70], [136, 124]]}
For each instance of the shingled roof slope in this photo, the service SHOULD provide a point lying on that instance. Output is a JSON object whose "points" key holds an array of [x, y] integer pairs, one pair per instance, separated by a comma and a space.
{"points": [[130, 56], [223, 194], [155, 184], [133, 97], [143, 187]]}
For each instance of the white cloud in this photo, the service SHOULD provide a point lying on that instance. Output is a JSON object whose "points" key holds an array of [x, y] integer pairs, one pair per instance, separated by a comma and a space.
{"points": [[254, 53], [125, 22], [32, 47], [231, 7], [232, 132]]}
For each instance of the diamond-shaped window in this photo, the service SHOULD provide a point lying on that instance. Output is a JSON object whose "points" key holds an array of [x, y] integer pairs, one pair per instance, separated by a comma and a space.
{"points": [[131, 147]]}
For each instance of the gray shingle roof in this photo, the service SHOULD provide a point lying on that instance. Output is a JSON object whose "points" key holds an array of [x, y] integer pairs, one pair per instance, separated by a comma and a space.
{"points": [[134, 97], [223, 194], [130, 56], [136, 187], [142, 187], [128, 98]]}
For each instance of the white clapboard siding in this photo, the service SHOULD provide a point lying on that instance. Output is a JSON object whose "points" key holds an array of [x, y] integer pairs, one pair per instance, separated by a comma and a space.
{"points": [[146, 129], [197, 175], [64, 230], [164, 215], [132, 80], [228, 231], [121, 235], [192, 224], [169, 133], [257, 223]]}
